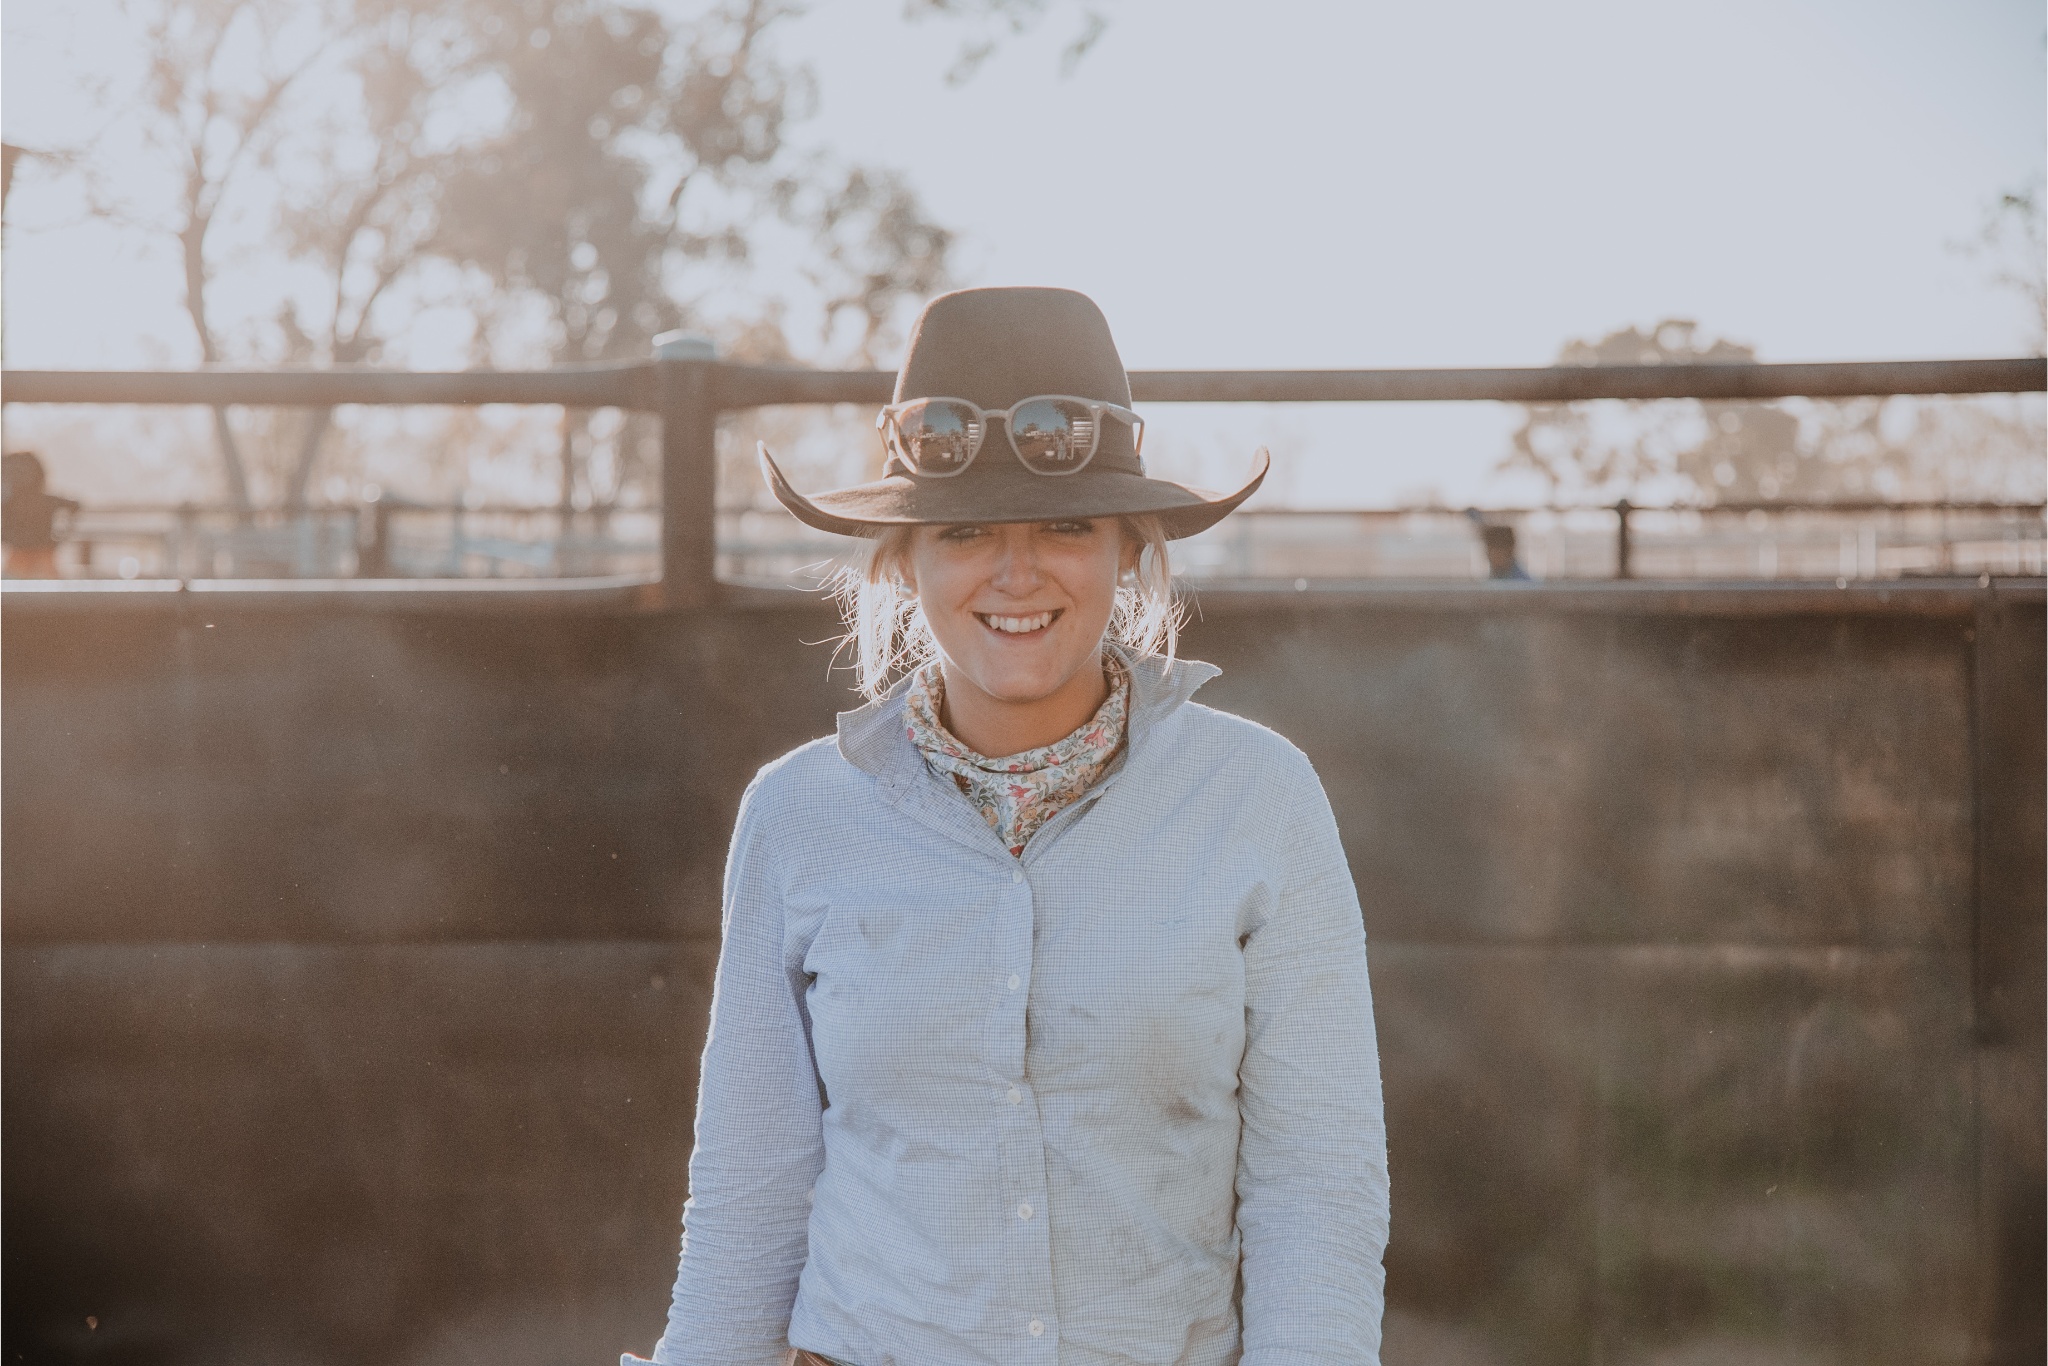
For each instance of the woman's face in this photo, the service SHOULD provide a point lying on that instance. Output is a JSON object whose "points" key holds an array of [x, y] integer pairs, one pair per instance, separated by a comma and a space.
{"points": [[1019, 610]]}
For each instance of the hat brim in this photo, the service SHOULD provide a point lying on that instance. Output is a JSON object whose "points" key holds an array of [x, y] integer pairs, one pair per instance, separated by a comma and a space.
{"points": [[1002, 496]]}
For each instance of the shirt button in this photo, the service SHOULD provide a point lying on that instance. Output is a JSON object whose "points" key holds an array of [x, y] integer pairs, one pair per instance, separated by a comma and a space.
{"points": [[1015, 981], [1024, 1210], [1016, 875], [1037, 1328], [1015, 1096]]}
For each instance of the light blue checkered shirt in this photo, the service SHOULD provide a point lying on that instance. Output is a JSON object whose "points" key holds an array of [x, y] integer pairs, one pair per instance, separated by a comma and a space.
{"points": [[962, 1108]]}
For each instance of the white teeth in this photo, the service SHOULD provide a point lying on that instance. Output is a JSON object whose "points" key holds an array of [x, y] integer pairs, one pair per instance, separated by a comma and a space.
{"points": [[1019, 625]]}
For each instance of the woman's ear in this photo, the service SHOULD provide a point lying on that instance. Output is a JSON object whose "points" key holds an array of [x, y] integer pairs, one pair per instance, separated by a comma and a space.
{"points": [[1128, 554], [901, 555]]}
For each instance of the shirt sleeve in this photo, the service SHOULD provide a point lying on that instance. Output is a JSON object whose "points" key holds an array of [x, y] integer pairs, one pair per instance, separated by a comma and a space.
{"points": [[760, 1143], [1312, 1158]]}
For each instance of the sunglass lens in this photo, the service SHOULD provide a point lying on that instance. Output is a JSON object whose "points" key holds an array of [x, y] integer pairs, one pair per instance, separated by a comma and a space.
{"points": [[937, 438], [1053, 435]]}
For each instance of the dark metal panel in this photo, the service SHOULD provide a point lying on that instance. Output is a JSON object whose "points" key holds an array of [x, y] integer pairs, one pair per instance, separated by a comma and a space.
{"points": [[332, 1019], [346, 1156]]}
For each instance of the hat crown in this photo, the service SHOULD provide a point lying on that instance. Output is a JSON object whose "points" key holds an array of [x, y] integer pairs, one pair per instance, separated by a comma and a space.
{"points": [[993, 347]]}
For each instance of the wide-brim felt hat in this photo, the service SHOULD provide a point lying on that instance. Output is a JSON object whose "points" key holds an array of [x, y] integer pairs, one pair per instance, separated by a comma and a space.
{"points": [[994, 347]]}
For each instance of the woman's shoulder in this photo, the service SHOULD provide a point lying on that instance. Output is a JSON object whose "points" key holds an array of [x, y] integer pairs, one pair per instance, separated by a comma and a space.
{"points": [[809, 778], [1240, 740]]}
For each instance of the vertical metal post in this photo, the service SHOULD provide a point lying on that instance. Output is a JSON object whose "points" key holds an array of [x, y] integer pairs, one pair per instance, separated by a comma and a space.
{"points": [[2009, 988], [373, 561], [188, 524], [689, 482], [1622, 550]]}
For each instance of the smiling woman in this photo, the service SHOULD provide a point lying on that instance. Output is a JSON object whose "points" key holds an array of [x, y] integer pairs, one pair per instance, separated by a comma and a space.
{"points": [[1042, 1030], [977, 594]]}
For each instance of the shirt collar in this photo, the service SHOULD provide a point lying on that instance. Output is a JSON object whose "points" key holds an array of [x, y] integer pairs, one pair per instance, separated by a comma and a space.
{"points": [[873, 739]]}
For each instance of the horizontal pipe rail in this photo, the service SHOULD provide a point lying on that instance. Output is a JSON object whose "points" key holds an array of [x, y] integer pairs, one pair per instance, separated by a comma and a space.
{"points": [[1859, 505], [400, 505], [688, 395], [601, 386], [639, 386], [746, 386], [1930, 598], [1576, 383]]}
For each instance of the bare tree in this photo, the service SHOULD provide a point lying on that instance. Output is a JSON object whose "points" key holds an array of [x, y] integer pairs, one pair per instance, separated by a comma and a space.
{"points": [[367, 230], [1797, 450], [616, 106], [1605, 451], [219, 77], [625, 150], [2013, 244], [9, 155], [876, 249], [992, 22], [552, 209]]}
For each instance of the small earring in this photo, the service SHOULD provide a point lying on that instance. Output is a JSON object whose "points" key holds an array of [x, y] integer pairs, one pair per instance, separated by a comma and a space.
{"points": [[1128, 578]]}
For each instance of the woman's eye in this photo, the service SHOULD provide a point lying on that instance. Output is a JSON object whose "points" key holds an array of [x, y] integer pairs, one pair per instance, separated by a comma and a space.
{"points": [[1077, 527], [958, 534]]}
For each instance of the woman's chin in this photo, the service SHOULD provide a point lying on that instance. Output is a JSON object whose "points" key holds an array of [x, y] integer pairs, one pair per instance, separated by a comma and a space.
{"points": [[1019, 675], [1016, 687]]}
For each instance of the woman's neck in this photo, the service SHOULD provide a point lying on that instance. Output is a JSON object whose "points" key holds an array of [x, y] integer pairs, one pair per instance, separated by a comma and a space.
{"points": [[998, 727]]}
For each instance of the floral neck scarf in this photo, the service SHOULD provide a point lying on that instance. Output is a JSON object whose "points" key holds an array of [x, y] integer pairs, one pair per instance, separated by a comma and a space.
{"points": [[1018, 794]]}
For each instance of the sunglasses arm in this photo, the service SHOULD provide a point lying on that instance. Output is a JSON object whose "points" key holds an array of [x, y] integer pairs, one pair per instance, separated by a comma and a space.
{"points": [[1137, 424]]}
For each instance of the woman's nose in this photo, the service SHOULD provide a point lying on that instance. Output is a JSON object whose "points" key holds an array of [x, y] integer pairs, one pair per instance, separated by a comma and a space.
{"points": [[1016, 564]]}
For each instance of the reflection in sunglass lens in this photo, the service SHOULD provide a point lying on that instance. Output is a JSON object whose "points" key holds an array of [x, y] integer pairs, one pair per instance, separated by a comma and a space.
{"points": [[938, 438], [1053, 435]]}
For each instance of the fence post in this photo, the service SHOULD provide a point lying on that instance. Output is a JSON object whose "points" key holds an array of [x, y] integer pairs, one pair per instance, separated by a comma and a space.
{"points": [[373, 561], [181, 552], [1622, 549], [2008, 990], [689, 469]]}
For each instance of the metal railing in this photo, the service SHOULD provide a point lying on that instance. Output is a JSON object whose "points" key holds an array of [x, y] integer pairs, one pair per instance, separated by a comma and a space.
{"points": [[690, 395], [761, 545], [381, 538], [1779, 540]]}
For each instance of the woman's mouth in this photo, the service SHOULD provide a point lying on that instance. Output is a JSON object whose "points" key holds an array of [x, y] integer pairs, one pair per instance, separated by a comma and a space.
{"points": [[1018, 626]]}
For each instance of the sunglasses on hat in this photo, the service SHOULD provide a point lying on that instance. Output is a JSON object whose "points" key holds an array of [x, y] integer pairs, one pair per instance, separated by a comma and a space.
{"points": [[1052, 434]]}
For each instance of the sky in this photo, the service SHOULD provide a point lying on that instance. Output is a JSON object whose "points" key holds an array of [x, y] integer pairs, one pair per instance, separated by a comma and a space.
{"points": [[1468, 183], [1298, 184]]}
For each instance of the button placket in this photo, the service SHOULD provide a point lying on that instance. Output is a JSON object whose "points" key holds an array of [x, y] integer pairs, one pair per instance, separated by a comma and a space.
{"points": [[1027, 1254]]}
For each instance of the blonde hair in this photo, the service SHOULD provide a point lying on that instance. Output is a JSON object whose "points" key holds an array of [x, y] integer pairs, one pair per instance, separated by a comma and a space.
{"points": [[888, 636]]}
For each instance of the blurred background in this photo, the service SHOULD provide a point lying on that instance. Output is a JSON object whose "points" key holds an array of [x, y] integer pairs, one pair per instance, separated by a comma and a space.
{"points": [[443, 186], [369, 764]]}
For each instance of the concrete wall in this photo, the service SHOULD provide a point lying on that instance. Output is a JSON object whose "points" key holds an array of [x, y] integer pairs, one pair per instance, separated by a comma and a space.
{"points": [[357, 961]]}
